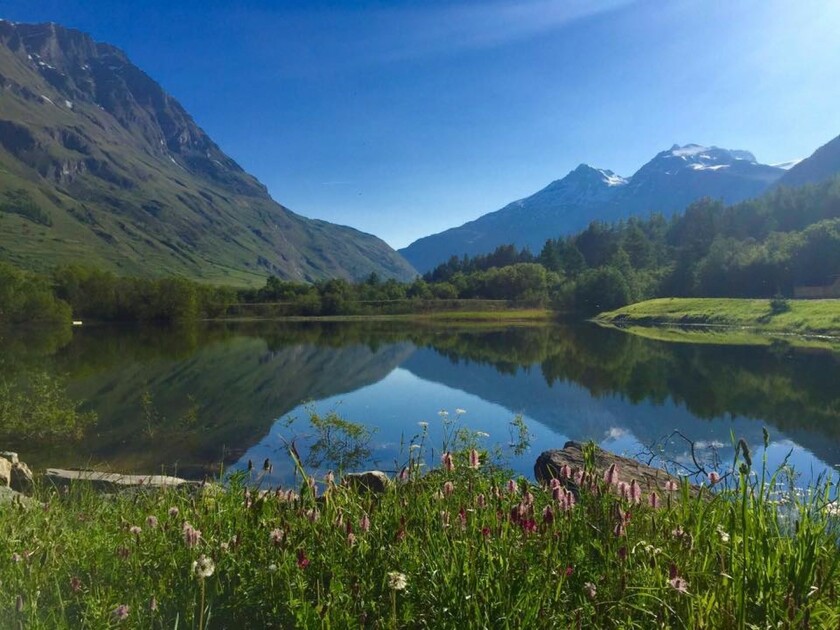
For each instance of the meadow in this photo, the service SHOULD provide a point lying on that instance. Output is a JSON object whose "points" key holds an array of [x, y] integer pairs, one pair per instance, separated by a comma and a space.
{"points": [[463, 545]]}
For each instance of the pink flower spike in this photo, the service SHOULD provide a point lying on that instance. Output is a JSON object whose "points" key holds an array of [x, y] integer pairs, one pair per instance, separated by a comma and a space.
{"points": [[565, 471], [481, 501], [635, 492], [364, 523], [447, 461], [653, 500], [713, 478], [671, 486], [679, 585], [475, 459], [511, 487], [448, 489], [611, 476]]}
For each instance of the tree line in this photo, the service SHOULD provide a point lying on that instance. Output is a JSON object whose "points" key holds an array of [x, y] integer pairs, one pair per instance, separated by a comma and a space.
{"points": [[761, 248]]}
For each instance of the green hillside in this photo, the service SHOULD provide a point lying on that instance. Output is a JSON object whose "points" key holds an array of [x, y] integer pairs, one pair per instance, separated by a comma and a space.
{"points": [[99, 165]]}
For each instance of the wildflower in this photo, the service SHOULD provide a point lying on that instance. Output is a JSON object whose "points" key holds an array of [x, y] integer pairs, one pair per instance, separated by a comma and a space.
{"points": [[565, 471], [423, 425], [569, 570], [713, 478], [224, 547], [528, 525], [120, 613], [623, 490], [203, 567], [833, 508], [462, 518], [480, 501], [123, 553], [151, 521], [653, 500], [272, 568], [512, 487], [448, 462], [276, 536], [75, 584], [153, 605], [448, 489], [397, 581], [313, 514], [485, 531], [351, 539], [635, 491], [443, 413], [590, 590], [330, 479], [528, 499], [482, 434], [577, 477], [134, 530], [460, 411], [17, 558], [671, 485], [475, 459], [724, 536], [173, 512], [302, 560], [611, 476], [364, 523], [679, 584], [191, 534], [548, 515]]}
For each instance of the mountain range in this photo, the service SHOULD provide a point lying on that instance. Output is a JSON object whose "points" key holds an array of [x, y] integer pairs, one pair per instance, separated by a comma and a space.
{"points": [[667, 183], [99, 165]]}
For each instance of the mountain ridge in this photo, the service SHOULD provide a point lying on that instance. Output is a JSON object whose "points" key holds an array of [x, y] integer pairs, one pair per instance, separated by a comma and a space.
{"points": [[99, 164], [667, 183]]}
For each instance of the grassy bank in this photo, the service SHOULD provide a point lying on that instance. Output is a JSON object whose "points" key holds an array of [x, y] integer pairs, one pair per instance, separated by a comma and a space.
{"points": [[800, 317], [463, 548]]}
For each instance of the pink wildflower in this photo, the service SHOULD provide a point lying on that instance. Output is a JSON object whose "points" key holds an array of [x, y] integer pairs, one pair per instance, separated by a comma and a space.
{"points": [[151, 521], [480, 501], [475, 459], [302, 560], [679, 585], [558, 493], [713, 478], [554, 483], [120, 613], [569, 570], [364, 523], [351, 539], [134, 530], [173, 512], [191, 534], [623, 490], [635, 491], [671, 486], [485, 531], [511, 487], [75, 584], [611, 476], [448, 489], [447, 461], [462, 518], [548, 515], [565, 471], [276, 536], [653, 500]]}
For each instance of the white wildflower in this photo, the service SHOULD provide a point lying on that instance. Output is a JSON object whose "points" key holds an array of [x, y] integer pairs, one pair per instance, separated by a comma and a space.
{"points": [[203, 567], [397, 581]]}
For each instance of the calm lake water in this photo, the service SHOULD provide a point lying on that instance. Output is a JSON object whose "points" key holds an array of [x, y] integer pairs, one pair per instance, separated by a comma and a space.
{"points": [[191, 400]]}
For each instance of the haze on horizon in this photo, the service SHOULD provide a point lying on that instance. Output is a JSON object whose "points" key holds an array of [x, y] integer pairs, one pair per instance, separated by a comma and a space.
{"points": [[407, 118]]}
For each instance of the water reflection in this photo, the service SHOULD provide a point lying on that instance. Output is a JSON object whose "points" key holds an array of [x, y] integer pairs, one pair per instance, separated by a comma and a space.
{"points": [[192, 399]]}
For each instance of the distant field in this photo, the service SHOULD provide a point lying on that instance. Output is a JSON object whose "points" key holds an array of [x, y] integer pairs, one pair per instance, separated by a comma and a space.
{"points": [[802, 317]]}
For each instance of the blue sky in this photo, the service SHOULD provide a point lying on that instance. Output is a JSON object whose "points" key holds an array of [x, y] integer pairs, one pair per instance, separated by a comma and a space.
{"points": [[404, 118]]}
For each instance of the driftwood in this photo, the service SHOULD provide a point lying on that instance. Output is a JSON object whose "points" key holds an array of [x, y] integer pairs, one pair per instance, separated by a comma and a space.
{"points": [[550, 463]]}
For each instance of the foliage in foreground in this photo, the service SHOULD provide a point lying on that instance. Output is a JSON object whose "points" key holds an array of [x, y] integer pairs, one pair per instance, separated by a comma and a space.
{"points": [[457, 547]]}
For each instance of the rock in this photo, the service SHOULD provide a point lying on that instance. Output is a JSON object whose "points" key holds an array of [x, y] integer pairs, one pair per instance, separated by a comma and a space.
{"points": [[9, 497], [12, 457], [5, 472], [374, 481], [549, 463], [22, 479], [110, 482]]}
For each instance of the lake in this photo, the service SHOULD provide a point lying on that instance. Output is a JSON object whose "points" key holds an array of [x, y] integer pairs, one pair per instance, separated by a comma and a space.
{"points": [[193, 400]]}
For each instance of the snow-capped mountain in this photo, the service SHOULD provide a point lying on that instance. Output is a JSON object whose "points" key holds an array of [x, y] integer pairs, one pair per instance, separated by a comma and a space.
{"points": [[667, 184]]}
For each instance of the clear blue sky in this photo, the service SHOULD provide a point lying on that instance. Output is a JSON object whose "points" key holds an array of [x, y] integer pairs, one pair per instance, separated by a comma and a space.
{"points": [[403, 118]]}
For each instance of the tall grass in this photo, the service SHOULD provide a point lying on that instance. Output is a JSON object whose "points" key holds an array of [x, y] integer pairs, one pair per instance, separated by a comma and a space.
{"points": [[460, 546]]}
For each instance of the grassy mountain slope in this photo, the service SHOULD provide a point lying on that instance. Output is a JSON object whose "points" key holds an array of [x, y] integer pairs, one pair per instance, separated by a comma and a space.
{"points": [[99, 165]]}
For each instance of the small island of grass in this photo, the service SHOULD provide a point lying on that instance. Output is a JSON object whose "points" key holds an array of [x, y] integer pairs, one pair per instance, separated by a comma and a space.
{"points": [[724, 317]]}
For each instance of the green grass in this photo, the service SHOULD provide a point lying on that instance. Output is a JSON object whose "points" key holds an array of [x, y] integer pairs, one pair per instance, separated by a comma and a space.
{"points": [[476, 551], [803, 317]]}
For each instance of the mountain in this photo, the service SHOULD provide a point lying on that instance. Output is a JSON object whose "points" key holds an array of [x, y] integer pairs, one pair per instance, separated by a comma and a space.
{"points": [[667, 183], [822, 164], [99, 165]]}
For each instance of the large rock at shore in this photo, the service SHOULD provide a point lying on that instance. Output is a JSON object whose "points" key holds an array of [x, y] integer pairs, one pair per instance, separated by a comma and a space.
{"points": [[15, 474], [110, 482], [374, 481], [549, 463], [9, 497]]}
